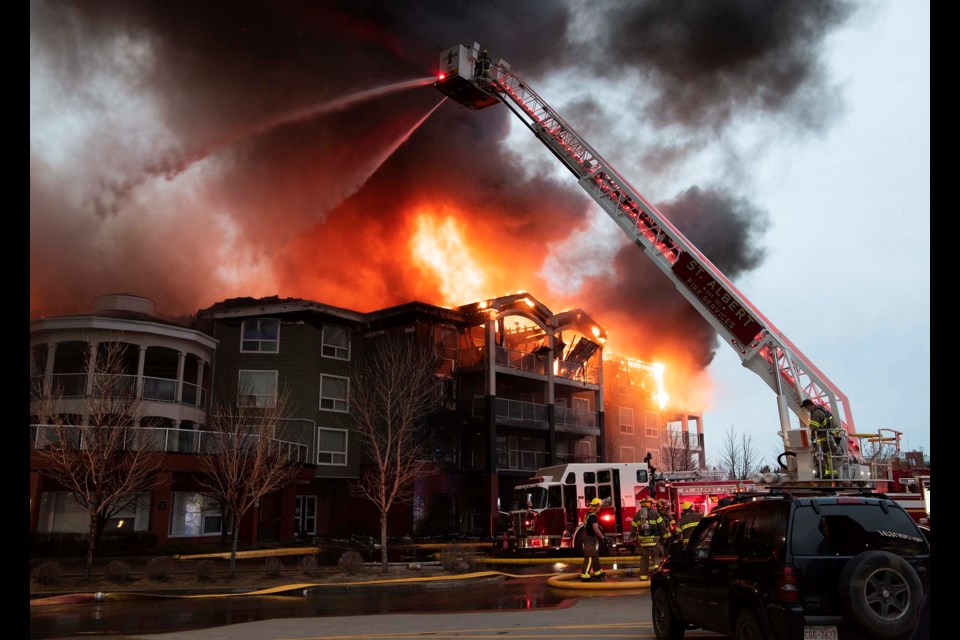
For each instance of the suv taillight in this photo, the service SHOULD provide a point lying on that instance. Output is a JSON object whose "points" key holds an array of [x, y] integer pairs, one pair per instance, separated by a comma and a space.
{"points": [[786, 584]]}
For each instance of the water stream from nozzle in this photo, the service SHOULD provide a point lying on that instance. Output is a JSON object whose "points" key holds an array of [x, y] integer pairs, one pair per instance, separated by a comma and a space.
{"points": [[389, 151], [181, 164]]}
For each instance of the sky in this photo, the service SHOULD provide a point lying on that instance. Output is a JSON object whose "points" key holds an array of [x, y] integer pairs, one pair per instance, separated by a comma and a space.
{"points": [[195, 152]]}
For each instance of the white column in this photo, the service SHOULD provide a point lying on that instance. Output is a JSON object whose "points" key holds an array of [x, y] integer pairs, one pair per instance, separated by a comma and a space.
{"points": [[181, 358], [48, 370], [91, 366], [140, 362], [199, 402], [490, 344]]}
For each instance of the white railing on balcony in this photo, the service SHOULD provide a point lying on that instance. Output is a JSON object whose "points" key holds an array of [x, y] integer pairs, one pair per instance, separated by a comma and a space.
{"points": [[576, 418], [74, 385], [522, 360], [523, 411], [526, 361], [159, 389], [578, 371], [519, 459], [165, 440], [574, 457]]}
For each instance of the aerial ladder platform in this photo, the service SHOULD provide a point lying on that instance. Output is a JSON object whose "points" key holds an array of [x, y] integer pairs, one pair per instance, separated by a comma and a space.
{"points": [[470, 77]]}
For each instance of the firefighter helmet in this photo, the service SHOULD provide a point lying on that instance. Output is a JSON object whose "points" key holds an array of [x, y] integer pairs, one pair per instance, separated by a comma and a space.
{"points": [[646, 502], [687, 505], [663, 505], [596, 502]]}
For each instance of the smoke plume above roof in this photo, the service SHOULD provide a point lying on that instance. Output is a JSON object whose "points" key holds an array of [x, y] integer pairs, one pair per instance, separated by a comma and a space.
{"points": [[192, 152]]}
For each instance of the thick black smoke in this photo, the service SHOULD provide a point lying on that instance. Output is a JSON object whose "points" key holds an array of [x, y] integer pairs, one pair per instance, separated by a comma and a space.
{"points": [[178, 177]]}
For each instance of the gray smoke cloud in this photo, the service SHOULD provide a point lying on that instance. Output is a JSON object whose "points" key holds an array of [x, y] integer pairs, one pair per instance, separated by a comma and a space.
{"points": [[167, 158]]}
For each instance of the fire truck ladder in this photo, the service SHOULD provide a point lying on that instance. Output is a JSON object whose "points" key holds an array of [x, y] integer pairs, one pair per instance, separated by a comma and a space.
{"points": [[761, 347]]}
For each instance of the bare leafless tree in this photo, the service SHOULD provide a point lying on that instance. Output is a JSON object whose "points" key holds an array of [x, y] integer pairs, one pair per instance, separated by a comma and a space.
{"points": [[107, 461], [738, 458], [393, 389], [244, 456], [675, 453]]}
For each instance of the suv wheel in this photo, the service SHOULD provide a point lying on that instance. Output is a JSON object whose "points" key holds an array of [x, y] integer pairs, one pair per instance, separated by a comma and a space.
{"points": [[882, 593], [665, 625], [748, 627]]}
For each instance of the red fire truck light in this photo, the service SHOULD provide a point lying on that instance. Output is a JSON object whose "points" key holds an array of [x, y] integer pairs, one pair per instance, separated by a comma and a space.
{"points": [[535, 542], [607, 518], [442, 76]]}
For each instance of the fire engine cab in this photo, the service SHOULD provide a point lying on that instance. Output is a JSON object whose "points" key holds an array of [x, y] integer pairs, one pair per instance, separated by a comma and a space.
{"points": [[548, 510]]}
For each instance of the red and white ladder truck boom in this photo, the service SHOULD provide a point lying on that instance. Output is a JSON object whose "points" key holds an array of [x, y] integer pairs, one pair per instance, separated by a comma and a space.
{"points": [[469, 77]]}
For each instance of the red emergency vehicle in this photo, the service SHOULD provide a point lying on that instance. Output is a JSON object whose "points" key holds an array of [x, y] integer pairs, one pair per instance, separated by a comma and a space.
{"points": [[548, 510]]}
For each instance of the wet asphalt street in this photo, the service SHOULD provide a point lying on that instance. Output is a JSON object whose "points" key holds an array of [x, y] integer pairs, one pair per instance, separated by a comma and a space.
{"points": [[482, 608], [587, 616]]}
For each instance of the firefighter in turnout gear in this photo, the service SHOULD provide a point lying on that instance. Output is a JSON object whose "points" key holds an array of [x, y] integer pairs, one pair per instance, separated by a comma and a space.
{"points": [[592, 535], [648, 528], [688, 521], [825, 433], [670, 526]]}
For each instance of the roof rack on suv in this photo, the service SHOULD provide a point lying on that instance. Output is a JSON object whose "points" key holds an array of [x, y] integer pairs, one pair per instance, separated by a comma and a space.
{"points": [[793, 492]]}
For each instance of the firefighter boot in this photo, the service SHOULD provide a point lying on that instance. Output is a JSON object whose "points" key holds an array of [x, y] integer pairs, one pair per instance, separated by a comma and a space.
{"points": [[598, 575]]}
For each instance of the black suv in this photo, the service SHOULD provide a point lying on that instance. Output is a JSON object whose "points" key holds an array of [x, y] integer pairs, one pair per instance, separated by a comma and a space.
{"points": [[784, 565]]}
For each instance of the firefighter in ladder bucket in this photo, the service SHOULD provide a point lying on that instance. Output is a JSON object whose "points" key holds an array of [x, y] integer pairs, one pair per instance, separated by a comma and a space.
{"points": [[648, 528], [825, 433]]}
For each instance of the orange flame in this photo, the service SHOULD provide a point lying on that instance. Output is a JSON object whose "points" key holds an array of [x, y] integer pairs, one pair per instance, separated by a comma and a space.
{"points": [[438, 247]]}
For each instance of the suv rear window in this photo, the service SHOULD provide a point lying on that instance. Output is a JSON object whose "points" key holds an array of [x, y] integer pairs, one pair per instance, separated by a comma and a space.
{"points": [[847, 529]]}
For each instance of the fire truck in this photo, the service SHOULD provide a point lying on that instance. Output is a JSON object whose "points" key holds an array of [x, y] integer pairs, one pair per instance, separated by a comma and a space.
{"points": [[914, 494], [548, 510], [471, 78]]}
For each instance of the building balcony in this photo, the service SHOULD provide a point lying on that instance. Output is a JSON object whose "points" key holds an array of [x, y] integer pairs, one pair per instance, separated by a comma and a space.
{"points": [[188, 441], [75, 385], [518, 460], [516, 413], [577, 421], [531, 364]]}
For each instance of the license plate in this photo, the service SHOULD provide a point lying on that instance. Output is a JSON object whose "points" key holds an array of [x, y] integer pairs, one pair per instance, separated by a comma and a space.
{"points": [[820, 632]]}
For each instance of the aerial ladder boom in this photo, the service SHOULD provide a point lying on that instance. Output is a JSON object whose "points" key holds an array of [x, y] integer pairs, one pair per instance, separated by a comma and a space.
{"points": [[471, 78]]}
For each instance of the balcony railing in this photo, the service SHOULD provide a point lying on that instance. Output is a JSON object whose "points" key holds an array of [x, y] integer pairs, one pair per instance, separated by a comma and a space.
{"points": [[74, 385], [165, 440], [564, 458], [578, 371], [578, 418], [521, 360], [526, 361], [519, 459], [530, 412]]}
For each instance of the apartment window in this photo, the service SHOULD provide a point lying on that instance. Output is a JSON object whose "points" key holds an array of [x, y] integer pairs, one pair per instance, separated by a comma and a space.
{"points": [[257, 388], [626, 420], [260, 335], [627, 454], [336, 342], [650, 424], [60, 512], [334, 393], [332, 447], [581, 404], [624, 387], [195, 514]]}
